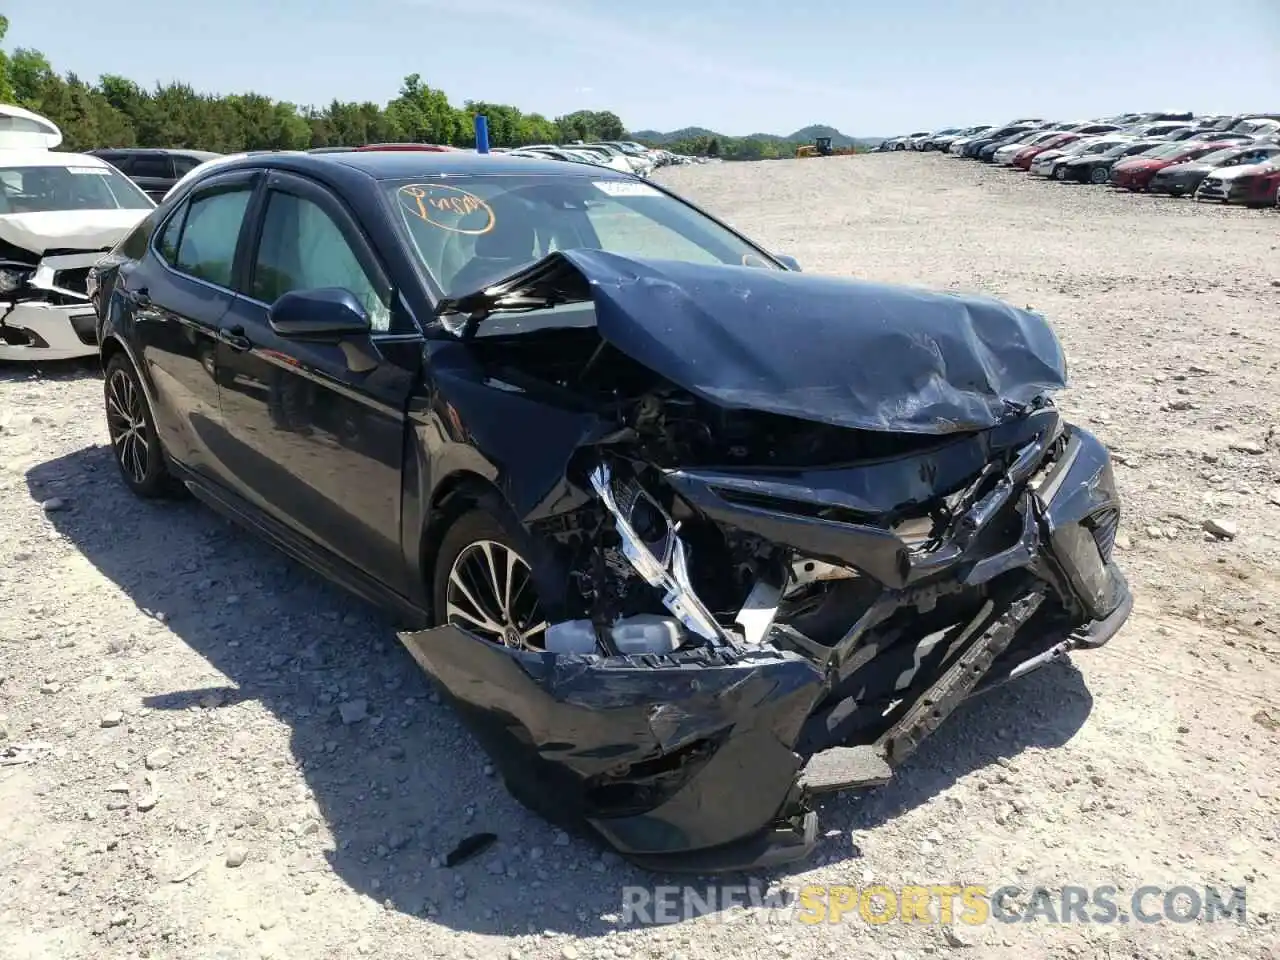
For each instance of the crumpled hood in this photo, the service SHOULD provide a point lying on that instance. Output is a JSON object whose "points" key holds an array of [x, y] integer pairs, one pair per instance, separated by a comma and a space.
{"points": [[68, 229], [845, 352]]}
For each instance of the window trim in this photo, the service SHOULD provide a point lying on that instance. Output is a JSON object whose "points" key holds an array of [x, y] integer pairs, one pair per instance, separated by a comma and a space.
{"points": [[227, 182], [348, 225]]}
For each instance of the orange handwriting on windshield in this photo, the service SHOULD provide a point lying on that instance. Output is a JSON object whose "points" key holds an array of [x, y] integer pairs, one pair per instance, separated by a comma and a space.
{"points": [[446, 207]]}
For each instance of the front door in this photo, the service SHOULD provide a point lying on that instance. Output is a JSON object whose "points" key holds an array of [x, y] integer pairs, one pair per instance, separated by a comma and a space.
{"points": [[316, 429], [177, 295]]}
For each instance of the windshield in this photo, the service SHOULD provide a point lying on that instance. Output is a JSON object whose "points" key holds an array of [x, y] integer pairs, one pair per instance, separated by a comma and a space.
{"points": [[476, 230], [1103, 146], [1221, 156], [46, 189]]}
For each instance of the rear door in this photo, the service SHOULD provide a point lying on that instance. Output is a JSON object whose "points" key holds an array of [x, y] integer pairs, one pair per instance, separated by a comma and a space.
{"points": [[177, 295], [316, 430]]}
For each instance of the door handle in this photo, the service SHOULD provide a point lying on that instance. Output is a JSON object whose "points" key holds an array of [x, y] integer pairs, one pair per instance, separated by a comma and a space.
{"points": [[234, 337]]}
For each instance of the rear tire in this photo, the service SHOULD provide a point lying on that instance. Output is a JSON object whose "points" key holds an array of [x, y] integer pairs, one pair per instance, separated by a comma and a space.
{"points": [[1099, 176], [131, 425]]}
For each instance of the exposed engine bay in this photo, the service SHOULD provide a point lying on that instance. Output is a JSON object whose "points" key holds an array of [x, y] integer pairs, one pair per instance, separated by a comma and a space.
{"points": [[59, 215], [44, 301], [758, 549]]}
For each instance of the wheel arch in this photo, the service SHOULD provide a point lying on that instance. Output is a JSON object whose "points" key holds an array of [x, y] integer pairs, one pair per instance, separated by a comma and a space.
{"points": [[113, 345], [458, 493], [464, 491]]}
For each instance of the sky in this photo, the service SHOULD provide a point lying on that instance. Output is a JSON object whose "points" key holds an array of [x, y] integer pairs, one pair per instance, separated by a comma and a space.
{"points": [[736, 66]]}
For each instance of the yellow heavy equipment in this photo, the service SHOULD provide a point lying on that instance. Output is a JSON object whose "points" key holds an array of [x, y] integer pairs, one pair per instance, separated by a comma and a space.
{"points": [[821, 147]]}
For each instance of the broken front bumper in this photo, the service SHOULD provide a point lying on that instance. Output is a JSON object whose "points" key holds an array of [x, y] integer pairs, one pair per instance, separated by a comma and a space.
{"points": [[683, 760], [708, 760], [34, 330]]}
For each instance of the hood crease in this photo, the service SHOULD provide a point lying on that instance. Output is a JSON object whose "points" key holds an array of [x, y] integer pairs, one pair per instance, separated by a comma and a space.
{"points": [[845, 352]]}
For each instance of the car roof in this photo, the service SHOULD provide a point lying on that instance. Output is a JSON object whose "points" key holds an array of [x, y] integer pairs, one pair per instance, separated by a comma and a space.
{"points": [[166, 151], [48, 158], [405, 164]]}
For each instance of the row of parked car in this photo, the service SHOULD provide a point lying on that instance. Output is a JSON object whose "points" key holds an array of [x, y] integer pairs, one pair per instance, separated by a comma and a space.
{"points": [[1228, 159], [156, 170]]}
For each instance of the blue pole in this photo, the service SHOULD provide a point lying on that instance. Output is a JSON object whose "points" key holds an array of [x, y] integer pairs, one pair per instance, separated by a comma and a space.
{"points": [[482, 134]]}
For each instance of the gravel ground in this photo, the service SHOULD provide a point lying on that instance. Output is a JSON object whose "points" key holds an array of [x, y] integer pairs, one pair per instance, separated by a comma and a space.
{"points": [[229, 758]]}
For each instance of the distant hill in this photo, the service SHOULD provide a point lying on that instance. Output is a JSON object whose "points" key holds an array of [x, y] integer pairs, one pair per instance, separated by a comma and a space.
{"points": [[803, 135]]}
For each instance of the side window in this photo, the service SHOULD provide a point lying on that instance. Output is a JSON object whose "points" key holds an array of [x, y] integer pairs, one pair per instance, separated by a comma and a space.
{"points": [[134, 245], [302, 248], [207, 248], [167, 244], [151, 166], [183, 165]]}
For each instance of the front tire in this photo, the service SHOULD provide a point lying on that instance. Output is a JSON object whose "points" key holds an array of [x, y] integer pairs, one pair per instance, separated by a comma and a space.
{"points": [[484, 584], [131, 426], [1099, 176]]}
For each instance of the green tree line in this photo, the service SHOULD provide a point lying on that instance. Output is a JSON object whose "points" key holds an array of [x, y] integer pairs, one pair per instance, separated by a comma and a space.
{"points": [[733, 148], [117, 112]]}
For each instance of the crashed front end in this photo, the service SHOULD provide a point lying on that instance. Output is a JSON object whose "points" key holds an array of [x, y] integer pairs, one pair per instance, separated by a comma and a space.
{"points": [[45, 311], [818, 578]]}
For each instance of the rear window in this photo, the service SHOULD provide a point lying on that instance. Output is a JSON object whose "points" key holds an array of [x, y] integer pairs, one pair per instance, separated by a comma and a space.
{"points": [[160, 167], [45, 189]]}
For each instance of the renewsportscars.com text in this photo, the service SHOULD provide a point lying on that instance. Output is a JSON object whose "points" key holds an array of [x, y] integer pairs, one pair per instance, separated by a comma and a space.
{"points": [[971, 905]]}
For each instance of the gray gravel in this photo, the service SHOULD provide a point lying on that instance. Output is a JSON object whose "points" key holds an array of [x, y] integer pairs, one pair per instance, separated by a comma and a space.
{"points": [[208, 752]]}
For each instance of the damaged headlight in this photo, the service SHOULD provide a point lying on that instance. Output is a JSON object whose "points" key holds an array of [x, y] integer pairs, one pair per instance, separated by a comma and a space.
{"points": [[652, 544], [13, 279]]}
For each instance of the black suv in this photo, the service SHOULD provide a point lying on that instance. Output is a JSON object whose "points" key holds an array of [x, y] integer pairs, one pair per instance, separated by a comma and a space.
{"points": [[153, 169]]}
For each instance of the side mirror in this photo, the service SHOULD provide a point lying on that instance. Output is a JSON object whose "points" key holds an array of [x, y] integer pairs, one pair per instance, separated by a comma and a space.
{"points": [[791, 263], [321, 314]]}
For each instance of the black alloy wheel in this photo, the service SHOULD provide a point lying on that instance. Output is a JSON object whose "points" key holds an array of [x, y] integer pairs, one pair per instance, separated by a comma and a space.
{"points": [[484, 585], [131, 427]]}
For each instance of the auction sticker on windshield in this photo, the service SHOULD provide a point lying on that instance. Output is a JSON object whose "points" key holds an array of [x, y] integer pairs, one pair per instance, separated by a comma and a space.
{"points": [[97, 171], [626, 188], [449, 208]]}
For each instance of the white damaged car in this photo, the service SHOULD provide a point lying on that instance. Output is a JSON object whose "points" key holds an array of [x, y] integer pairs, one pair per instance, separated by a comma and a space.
{"points": [[59, 214]]}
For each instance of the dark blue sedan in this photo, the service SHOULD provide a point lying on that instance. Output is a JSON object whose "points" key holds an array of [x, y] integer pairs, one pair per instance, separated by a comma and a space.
{"points": [[691, 538]]}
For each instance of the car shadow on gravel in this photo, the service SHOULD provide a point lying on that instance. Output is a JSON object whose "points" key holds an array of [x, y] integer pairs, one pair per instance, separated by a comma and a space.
{"points": [[396, 780]]}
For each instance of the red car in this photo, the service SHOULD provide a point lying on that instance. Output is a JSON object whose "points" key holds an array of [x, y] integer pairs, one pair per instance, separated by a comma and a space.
{"points": [[1262, 189], [1135, 173], [1023, 159]]}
